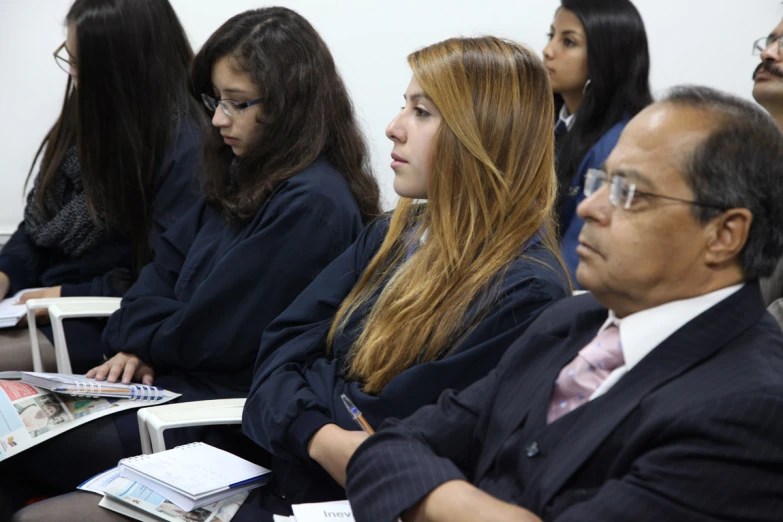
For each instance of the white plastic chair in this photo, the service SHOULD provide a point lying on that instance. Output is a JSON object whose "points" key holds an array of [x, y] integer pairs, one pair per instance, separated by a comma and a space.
{"points": [[61, 308], [154, 420]]}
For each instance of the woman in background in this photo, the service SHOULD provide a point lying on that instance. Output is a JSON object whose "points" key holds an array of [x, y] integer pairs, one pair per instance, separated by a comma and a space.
{"points": [[288, 189], [119, 166], [598, 63]]}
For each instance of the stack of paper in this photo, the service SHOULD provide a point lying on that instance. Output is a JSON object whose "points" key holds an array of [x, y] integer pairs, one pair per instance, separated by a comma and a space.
{"points": [[194, 475], [140, 503], [11, 311]]}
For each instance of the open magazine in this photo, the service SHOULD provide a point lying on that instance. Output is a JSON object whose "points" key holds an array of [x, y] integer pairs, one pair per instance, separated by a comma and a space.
{"points": [[31, 415], [133, 500]]}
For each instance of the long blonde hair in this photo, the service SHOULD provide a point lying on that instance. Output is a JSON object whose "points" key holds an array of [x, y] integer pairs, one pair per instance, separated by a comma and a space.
{"points": [[490, 190]]}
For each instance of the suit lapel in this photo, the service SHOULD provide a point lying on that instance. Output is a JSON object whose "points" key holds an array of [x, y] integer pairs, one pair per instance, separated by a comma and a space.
{"points": [[528, 378], [687, 347]]}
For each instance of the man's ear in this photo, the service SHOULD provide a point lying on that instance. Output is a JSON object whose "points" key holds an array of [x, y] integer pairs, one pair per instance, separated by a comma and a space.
{"points": [[728, 234]]}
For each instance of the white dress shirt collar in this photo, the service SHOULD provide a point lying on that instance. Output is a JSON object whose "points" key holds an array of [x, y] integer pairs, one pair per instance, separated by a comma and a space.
{"points": [[641, 332], [566, 117]]}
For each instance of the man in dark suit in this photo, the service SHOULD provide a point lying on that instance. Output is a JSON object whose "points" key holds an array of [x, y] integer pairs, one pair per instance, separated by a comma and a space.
{"points": [[768, 91], [656, 397], [768, 76]]}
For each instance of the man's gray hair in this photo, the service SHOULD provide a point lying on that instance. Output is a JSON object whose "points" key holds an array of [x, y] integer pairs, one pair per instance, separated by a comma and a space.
{"points": [[738, 165]]}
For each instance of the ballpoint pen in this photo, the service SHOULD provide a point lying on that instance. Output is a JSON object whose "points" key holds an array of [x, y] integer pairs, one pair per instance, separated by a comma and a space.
{"points": [[357, 415]]}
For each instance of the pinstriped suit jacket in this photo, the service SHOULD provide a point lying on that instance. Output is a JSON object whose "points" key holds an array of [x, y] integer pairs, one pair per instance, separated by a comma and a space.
{"points": [[693, 433]]}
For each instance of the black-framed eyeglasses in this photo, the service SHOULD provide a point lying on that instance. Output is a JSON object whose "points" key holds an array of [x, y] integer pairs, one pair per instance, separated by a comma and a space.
{"points": [[622, 191], [230, 108], [764, 42], [64, 60]]}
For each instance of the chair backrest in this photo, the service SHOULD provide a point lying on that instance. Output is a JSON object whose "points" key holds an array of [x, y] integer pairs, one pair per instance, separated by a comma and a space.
{"points": [[61, 308]]}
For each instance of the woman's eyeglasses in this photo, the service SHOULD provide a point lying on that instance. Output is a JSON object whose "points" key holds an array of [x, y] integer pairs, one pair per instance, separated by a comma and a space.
{"points": [[230, 107]]}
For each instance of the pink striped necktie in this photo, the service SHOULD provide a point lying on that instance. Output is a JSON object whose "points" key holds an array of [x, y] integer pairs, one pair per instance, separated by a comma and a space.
{"points": [[579, 379]]}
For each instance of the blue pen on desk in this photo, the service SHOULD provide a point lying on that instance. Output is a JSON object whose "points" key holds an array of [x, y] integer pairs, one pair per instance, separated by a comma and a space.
{"points": [[357, 415]]}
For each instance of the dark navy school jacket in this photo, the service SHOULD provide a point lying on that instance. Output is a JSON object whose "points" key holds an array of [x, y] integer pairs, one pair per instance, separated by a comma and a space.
{"points": [[296, 388], [199, 309], [570, 222], [106, 270]]}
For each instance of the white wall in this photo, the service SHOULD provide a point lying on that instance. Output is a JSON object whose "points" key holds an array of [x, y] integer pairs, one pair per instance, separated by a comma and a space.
{"points": [[692, 41]]}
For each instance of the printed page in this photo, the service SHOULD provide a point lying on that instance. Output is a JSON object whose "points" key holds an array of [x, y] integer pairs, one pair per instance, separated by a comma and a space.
{"points": [[30, 415], [100, 482], [11, 311], [323, 511], [142, 498], [126, 510]]}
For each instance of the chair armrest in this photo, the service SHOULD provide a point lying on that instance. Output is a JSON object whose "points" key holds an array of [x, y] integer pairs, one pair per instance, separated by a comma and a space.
{"points": [[63, 308], [67, 307], [154, 420]]}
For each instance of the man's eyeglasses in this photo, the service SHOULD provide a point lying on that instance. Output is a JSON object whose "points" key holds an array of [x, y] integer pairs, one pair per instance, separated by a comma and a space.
{"points": [[622, 191], [230, 107], [764, 42], [63, 58]]}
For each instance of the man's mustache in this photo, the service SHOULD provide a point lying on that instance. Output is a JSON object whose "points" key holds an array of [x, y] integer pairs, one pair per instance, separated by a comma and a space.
{"points": [[769, 67]]}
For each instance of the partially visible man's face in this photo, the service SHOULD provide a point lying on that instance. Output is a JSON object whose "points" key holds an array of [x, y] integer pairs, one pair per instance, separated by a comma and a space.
{"points": [[654, 251], [768, 78]]}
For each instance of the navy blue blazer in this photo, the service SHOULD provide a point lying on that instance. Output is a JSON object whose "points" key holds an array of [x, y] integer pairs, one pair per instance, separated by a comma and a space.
{"points": [[296, 388], [201, 306], [106, 270], [197, 312], [691, 434], [570, 223]]}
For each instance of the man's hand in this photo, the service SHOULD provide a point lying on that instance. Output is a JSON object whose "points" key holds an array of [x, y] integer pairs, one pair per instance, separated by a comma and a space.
{"points": [[458, 501], [125, 365], [332, 448], [42, 314]]}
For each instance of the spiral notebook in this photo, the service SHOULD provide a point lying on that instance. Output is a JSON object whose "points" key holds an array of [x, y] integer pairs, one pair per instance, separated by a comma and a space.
{"points": [[194, 475], [82, 386]]}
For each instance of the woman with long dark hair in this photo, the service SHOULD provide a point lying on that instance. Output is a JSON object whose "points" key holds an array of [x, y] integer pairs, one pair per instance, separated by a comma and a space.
{"points": [[598, 63], [118, 167], [288, 190]]}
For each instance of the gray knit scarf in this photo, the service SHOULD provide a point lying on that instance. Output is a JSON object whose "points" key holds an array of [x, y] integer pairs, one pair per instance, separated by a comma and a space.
{"points": [[70, 229]]}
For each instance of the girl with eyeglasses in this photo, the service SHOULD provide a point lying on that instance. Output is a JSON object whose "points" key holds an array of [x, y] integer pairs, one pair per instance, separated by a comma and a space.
{"points": [[598, 64], [117, 169], [287, 190]]}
